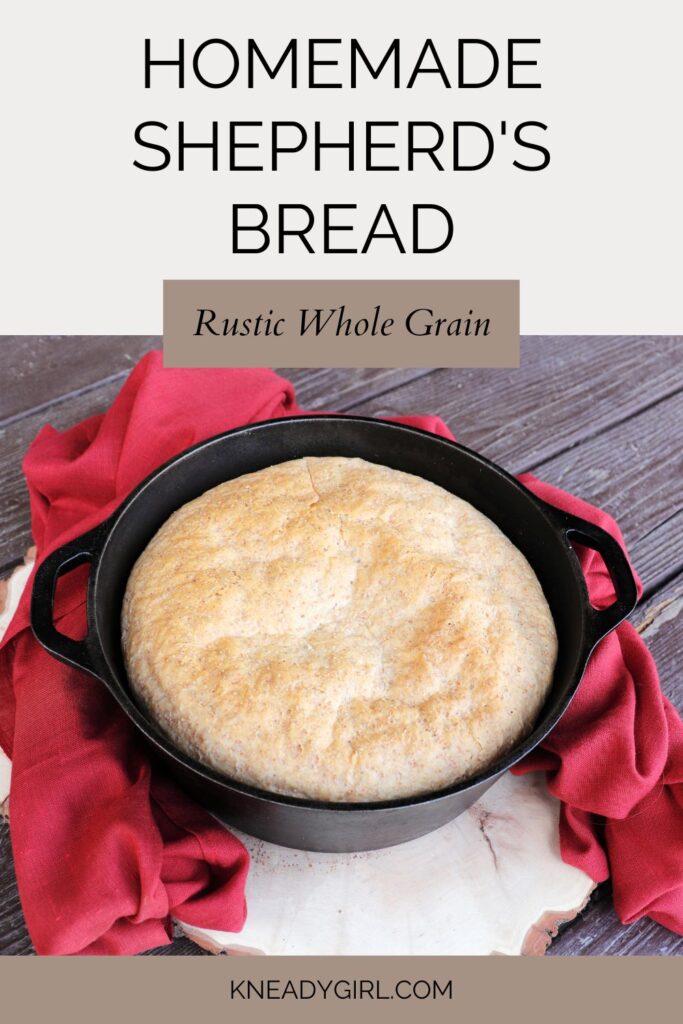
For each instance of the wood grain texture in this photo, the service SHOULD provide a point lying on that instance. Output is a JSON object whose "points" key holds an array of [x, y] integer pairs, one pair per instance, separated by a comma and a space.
{"points": [[37, 368], [44, 370], [15, 532], [565, 390], [659, 620], [597, 931], [13, 935], [338, 390], [635, 472]]}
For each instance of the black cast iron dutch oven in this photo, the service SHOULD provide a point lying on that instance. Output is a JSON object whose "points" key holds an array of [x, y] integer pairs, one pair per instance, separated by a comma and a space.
{"points": [[540, 531]]}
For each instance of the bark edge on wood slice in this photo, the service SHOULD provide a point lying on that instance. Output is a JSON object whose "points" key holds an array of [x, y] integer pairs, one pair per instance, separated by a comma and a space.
{"points": [[541, 934]]}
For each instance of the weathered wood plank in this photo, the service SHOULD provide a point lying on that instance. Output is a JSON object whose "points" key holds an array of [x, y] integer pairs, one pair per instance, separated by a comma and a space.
{"points": [[659, 621], [181, 946], [657, 554], [597, 931], [44, 369], [336, 390], [13, 935], [565, 390], [635, 472], [15, 531]]}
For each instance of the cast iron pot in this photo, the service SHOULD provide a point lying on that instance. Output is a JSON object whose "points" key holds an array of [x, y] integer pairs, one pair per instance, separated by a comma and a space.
{"points": [[540, 531]]}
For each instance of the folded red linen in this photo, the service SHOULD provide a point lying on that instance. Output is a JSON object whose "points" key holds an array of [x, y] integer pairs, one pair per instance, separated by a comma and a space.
{"points": [[108, 850], [615, 759]]}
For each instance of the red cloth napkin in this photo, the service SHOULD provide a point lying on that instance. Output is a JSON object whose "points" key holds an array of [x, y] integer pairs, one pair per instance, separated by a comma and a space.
{"points": [[107, 849], [615, 759]]}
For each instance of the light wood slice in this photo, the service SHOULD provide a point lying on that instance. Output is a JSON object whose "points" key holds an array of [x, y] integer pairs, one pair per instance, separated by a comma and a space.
{"points": [[10, 592], [490, 882]]}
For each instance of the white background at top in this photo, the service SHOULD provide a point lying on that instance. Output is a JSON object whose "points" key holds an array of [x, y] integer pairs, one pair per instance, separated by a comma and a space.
{"points": [[595, 239]]}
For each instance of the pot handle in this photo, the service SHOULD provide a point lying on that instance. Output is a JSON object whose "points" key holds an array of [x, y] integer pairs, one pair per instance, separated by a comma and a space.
{"points": [[77, 653], [621, 574]]}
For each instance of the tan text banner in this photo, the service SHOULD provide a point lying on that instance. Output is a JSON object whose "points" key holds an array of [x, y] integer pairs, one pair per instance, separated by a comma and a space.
{"points": [[341, 323], [339, 989]]}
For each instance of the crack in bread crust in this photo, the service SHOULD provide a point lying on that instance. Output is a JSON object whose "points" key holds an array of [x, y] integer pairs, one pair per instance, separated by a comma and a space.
{"points": [[383, 640]]}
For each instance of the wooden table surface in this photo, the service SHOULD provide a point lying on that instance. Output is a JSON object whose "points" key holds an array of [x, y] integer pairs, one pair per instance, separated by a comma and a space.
{"points": [[597, 416]]}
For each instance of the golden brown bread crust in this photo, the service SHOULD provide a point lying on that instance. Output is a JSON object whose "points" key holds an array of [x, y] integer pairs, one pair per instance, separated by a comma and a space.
{"points": [[336, 629]]}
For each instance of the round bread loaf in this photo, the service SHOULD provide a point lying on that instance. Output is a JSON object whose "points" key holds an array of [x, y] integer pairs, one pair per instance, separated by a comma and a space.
{"points": [[338, 630]]}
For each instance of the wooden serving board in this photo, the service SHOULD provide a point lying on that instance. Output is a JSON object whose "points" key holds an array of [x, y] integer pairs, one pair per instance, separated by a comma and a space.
{"points": [[490, 882]]}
